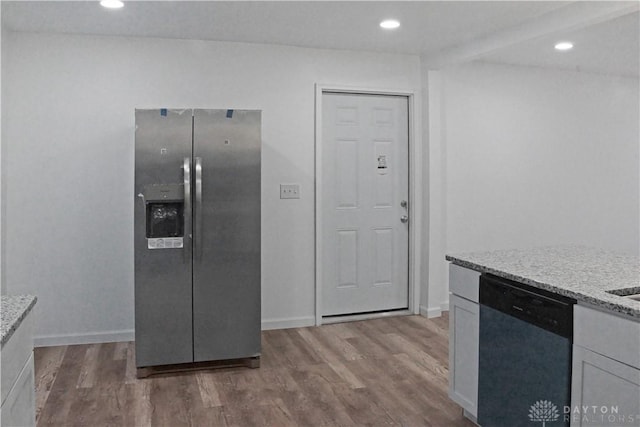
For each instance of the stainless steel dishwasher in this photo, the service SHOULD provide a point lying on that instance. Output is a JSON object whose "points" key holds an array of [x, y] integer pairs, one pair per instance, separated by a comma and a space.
{"points": [[525, 355]]}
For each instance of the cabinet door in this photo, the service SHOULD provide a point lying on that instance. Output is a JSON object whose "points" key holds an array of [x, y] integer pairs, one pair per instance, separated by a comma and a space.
{"points": [[19, 408], [603, 391], [463, 353]]}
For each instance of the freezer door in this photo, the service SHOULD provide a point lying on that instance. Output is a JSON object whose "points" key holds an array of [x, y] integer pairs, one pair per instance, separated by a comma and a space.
{"points": [[162, 223], [226, 268]]}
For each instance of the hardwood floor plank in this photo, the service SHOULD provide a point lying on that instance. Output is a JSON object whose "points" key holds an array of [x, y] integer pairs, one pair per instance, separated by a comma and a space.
{"points": [[247, 379], [109, 372], [437, 388], [367, 348], [433, 379], [288, 345], [130, 376], [382, 325], [214, 416], [378, 335], [368, 372], [279, 404], [437, 346], [325, 408], [266, 416], [397, 405], [143, 405], [175, 397], [208, 392], [113, 409], [379, 372], [89, 367], [125, 404], [327, 354], [361, 407], [280, 379], [307, 355], [84, 407], [338, 345], [62, 393], [120, 351], [271, 356], [418, 336], [290, 396], [341, 330], [424, 359], [236, 392], [346, 375], [48, 361], [321, 371], [442, 321], [435, 325]]}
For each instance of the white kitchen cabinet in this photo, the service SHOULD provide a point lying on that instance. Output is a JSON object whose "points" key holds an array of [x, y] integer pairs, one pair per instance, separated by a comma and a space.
{"points": [[605, 382], [463, 353], [19, 407], [613, 335], [603, 391], [17, 371], [464, 283], [464, 316]]}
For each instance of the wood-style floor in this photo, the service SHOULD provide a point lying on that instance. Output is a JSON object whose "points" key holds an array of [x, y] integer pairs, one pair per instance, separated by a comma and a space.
{"points": [[381, 372]]}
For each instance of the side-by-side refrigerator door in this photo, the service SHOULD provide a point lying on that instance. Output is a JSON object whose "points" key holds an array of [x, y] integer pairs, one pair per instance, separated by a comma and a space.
{"points": [[162, 229], [226, 267]]}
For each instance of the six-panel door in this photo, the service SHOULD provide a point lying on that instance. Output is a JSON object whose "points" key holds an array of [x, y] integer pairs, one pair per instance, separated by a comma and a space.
{"points": [[365, 196]]}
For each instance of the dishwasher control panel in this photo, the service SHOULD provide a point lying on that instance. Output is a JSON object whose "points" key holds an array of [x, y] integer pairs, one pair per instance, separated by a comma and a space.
{"points": [[541, 308]]}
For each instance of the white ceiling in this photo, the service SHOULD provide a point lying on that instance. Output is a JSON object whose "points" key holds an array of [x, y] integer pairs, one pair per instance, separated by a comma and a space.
{"points": [[611, 47], [428, 27]]}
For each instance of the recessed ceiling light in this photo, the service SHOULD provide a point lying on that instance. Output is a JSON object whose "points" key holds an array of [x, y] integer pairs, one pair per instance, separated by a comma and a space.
{"points": [[564, 46], [111, 4], [389, 24]]}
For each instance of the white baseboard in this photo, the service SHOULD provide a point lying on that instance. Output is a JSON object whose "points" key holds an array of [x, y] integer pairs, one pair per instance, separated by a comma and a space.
{"points": [[71, 339], [431, 312], [289, 322], [424, 311], [129, 335]]}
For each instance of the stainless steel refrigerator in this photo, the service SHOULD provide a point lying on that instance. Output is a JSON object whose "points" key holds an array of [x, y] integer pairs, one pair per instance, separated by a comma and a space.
{"points": [[197, 236]]}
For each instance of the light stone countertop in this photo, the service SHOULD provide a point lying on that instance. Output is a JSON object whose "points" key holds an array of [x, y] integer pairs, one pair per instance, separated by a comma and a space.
{"points": [[582, 273], [14, 309]]}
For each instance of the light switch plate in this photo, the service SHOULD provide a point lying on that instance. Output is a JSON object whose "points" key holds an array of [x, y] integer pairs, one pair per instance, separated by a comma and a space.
{"points": [[289, 191]]}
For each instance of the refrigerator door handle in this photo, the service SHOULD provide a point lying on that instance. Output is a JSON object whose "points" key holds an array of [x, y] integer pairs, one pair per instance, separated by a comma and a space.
{"points": [[186, 168], [198, 208]]}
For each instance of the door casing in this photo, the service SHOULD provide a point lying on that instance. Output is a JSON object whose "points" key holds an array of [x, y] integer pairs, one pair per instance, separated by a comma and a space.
{"points": [[415, 189]]}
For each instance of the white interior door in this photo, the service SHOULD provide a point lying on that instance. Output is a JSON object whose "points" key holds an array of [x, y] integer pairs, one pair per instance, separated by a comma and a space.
{"points": [[365, 190]]}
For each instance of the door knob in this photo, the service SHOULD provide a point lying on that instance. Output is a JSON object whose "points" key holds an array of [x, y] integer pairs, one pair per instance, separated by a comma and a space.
{"points": [[404, 219], [403, 204]]}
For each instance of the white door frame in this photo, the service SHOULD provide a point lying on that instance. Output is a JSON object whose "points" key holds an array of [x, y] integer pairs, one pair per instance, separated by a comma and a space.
{"points": [[415, 188]]}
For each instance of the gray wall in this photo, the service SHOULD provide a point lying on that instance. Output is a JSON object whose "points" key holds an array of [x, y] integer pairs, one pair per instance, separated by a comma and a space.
{"points": [[516, 157], [524, 157], [70, 172]]}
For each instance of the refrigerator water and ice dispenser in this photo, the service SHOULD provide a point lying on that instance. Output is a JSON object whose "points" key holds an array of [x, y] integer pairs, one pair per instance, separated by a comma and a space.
{"points": [[164, 216]]}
